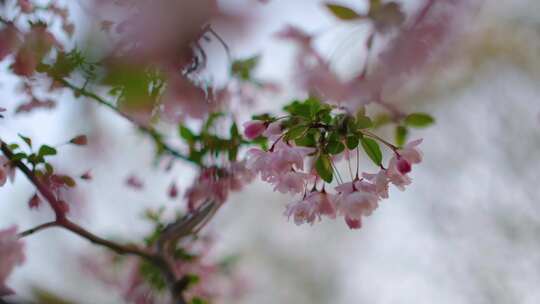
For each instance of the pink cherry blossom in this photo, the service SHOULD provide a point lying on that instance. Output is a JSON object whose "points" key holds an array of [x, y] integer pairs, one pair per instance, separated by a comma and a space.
{"points": [[9, 40], [402, 162], [353, 223], [380, 180], [303, 211], [273, 131], [254, 128], [289, 182], [312, 207], [11, 255], [6, 170], [356, 204]]}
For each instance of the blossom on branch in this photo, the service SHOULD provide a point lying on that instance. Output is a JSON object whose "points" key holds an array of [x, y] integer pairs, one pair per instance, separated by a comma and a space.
{"points": [[11, 255]]}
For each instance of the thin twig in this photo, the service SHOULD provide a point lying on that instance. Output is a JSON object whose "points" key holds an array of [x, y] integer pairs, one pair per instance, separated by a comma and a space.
{"points": [[62, 221], [156, 136], [37, 228]]}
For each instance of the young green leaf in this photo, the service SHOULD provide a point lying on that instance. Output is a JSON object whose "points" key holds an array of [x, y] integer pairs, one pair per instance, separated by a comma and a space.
{"points": [[335, 147], [186, 133], [27, 140], [352, 141], [296, 132], [342, 12], [46, 151], [363, 122], [419, 120], [323, 166], [381, 120], [372, 150], [244, 68], [401, 135]]}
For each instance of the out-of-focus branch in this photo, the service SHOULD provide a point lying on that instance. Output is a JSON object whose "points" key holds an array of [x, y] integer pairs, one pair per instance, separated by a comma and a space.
{"points": [[175, 286], [37, 228], [153, 133]]}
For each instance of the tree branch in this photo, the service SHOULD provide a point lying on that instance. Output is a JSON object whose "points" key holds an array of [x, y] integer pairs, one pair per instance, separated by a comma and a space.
{"points": [[153, 133], [37, 228], [62, 221]]}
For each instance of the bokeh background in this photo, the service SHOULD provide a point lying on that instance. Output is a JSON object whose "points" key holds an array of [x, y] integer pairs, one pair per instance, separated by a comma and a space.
{"points": [[466, 231]]}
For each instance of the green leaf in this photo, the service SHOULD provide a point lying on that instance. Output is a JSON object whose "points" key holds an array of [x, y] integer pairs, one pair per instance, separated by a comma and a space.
{"points": [[186, 133], [372, 150], [244, 68], [335, 147], [69, 181], [197, 300], [363, 122], [234, 131], [49, 168], [13, 147], [381, 120], [309, 139], [46, 151], [211, 120], [343, 12], [323, 166], [296, 132], [192, 279], [419, 120], [352, 141], [18, 157], [401, 135], [27, 140], [152, 275], [262, 117]]}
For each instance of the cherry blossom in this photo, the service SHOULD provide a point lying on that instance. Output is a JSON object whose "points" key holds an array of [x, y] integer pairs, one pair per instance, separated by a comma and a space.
{"points": [[402, 162], [6, 170], [11, 255], [254, 128]]}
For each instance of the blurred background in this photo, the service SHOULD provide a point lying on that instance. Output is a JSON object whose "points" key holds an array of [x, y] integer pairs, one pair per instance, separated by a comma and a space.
{"points": [[465, 231]]}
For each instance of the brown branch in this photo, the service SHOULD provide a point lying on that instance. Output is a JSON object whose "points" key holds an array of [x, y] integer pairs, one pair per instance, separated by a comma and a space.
{"points": [[37, 228], [156, 137], [61, 220]]}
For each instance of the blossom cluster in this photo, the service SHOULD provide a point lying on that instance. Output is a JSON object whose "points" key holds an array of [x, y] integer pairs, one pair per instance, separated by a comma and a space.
{"points": [[302, 160]]}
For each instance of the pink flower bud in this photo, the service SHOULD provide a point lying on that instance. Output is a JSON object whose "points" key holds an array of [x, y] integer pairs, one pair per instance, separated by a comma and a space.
{"points": [[80, 140], [403, 166], [173, 190], [254, 129], [34, 202], [353, 223]]}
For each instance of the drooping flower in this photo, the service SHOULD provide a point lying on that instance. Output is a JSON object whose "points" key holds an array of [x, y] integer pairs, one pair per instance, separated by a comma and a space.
{"points": [[312, 207], [302, 211], [401, 164], [11, 255], [289, 182], [273, 131], [356, 199], [380, 180], [254, 129]]}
